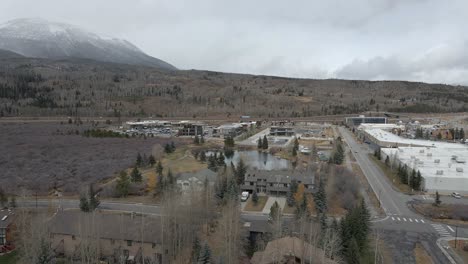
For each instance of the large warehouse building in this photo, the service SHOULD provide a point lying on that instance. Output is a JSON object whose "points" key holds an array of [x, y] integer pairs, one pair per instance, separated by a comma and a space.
{"points": [[442, 165]]}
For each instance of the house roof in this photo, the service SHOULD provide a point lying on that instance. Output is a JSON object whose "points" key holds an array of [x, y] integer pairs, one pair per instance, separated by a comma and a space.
{"points": [[281, 176], [200, 175], [281, 250], [118, 226], [6, 218]]}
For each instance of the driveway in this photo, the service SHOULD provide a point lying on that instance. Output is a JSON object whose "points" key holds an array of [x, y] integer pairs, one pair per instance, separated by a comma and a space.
{"points": [[271, 200]]}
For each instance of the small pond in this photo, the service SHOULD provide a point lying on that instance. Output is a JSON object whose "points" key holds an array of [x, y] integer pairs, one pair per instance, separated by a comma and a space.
{"points": [[258, 160]]}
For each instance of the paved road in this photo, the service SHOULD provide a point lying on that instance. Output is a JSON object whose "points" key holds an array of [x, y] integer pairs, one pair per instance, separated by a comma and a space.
{"points": [[67, 204], [402, 226]]}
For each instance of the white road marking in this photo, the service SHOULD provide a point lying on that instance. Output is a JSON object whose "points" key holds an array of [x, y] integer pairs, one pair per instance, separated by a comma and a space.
{"points": [[424, 197], [422, 221], [398, 218], [404, 219], [416, 220], [393, 219], [411, 220], [450, 229]]}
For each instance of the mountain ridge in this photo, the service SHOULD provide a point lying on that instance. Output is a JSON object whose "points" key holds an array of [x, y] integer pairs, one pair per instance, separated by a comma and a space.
{"points": [[40, 38]]}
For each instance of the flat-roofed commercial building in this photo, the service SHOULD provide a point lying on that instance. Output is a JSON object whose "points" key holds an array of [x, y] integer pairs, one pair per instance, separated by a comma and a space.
{"points": [[358, 120]]}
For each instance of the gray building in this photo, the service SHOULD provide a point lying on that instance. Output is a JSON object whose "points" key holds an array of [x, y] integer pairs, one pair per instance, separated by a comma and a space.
{"points": [[281, 131], [358, 120], [277, 181]]}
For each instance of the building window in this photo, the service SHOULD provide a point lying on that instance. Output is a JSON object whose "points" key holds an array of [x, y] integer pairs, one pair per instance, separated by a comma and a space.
{"points": [[129, 243], [251, 183], [73, 237], [153, 245], [285, 185]]}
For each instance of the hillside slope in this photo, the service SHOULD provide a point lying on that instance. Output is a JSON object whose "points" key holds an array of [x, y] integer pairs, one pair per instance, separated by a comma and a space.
{"points": [[42, 87]]}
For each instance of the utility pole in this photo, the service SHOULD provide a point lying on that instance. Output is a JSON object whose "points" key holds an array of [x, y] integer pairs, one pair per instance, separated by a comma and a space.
{"points": [[456, 235]]}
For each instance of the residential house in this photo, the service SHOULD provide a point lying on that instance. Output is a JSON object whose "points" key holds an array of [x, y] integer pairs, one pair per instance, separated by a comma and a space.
{"points": [[195, 180], [290, 250], [116, 236], [6, 230], [277, 182]]}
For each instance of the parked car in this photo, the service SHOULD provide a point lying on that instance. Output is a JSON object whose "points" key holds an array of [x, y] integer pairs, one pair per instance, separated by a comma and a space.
{"points": [[244, 196], [456, 195]]}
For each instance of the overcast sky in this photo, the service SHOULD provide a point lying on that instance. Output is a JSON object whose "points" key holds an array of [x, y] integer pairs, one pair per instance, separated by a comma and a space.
{"points": [[419, 40]]}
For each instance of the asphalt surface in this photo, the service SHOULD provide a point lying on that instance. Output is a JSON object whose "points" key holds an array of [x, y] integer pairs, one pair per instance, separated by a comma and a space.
{"points": [[402, 227]]}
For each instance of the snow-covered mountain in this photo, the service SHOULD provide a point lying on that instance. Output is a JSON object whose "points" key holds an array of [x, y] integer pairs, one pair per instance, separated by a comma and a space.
{"points": [[40, 38]]}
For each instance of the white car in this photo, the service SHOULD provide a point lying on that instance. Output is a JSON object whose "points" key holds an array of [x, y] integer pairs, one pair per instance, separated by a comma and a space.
{"points": [[456, 195], [244, 196]]}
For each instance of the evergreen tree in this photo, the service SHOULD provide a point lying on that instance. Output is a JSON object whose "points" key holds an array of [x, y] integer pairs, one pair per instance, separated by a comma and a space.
{"points": [[275, 212], [13, 201], [136, 175], [139, 160], [203, 156], [290, 199], [170, 179], [228, 142], [265, 142], [196, 250], [413, 179], [260, 143], [212, 164], [84, 205], [437, 201], [93, 199], [353, 254], [418, 181], [151, 160], [294, 152], [232, 190], [173, 147], [404, 175], [255, 197], [320, 198], [220, 160], [46, 255], [167, 148], [123, 184], [205, 256], [159, 168], [3, 198], [240, 171]]}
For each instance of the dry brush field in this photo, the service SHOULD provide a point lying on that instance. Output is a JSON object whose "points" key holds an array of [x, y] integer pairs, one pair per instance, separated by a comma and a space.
{"points": [[41, 156]]}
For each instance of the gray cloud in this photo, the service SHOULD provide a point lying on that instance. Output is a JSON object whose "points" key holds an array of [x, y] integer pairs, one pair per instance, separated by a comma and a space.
{"points": [[421, 40], [446, 63]]}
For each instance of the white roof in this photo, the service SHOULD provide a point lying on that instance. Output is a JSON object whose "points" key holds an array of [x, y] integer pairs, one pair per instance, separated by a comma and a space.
{"points": [[365, 126], [442, 168], [390, 138], [230, 126]]}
